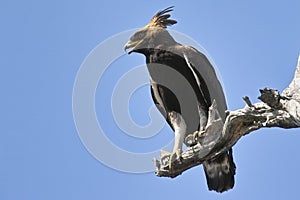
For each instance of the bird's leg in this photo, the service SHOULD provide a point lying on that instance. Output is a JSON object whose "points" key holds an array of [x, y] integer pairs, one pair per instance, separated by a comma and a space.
{"points": [[177, 149], [197, 135], [179, 126]]}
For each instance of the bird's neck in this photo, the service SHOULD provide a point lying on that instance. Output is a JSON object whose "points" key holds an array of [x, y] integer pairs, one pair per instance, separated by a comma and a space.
{"points": [[163, 40]]}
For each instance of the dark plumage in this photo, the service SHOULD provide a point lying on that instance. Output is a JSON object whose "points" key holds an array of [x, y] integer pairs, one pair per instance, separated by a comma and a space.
{"points": [[183, 86]]}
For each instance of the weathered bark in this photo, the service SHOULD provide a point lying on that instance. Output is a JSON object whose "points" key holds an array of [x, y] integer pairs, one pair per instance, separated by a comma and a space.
{"points": [[275, 110]]}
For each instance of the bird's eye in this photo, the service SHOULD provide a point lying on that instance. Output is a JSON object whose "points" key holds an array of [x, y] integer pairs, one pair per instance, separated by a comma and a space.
{"points": [[140, 35]]}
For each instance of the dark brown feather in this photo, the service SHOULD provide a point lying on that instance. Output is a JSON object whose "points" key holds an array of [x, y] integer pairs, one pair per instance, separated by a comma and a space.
{"points": [[220, 172]]}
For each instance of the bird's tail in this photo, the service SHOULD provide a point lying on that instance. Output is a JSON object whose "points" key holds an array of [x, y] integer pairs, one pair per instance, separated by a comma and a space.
{"points": [[220, 172]]}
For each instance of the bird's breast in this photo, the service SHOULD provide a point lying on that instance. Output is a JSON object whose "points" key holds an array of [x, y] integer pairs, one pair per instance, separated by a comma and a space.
{"points": [[172, 72]]}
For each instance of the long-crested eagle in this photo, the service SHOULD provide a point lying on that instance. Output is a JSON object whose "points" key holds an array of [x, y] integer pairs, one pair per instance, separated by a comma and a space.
{"points": [[183, 87]]}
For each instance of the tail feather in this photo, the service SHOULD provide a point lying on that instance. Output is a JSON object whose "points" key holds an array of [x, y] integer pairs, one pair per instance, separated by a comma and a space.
{"points": [[220, 172]]}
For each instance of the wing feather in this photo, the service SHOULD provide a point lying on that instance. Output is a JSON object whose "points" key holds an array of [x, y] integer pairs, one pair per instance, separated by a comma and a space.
{"points": [[199, 63]]}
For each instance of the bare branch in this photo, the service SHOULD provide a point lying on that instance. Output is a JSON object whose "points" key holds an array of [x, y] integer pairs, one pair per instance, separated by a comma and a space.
{"points": [[248, 102]]}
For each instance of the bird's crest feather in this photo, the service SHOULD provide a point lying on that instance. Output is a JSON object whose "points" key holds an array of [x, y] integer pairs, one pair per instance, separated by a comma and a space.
{"points": [[161, 19]]}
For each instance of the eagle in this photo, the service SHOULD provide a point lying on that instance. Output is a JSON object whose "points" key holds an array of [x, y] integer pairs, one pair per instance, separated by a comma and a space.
{"points": [[183, 86]]}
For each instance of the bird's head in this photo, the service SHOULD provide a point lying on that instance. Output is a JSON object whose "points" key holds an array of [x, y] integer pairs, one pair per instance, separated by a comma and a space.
{"points": [[154, 33]]}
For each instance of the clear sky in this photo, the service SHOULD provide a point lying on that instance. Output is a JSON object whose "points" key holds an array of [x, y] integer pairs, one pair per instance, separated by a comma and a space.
{"points": [[42, 46]]}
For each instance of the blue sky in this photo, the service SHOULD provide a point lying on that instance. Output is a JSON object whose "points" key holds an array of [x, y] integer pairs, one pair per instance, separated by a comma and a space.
{"points": [[43, 44]]}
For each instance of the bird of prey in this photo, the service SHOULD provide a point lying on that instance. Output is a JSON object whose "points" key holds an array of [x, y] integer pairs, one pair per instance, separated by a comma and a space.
{"points": [[183, 86]]}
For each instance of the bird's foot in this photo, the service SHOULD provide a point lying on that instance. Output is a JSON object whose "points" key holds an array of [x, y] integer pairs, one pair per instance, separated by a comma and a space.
{"points": [[189, 140], [175, 156], [194, 138], [198, 135], [169, 158]]}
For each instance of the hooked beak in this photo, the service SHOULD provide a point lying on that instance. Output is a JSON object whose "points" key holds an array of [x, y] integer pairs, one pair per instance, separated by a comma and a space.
{"points": [[129, 47]]}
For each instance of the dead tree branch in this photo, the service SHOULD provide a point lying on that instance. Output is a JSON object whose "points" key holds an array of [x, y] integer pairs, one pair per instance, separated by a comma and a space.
{"points": [[275, 110]]}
